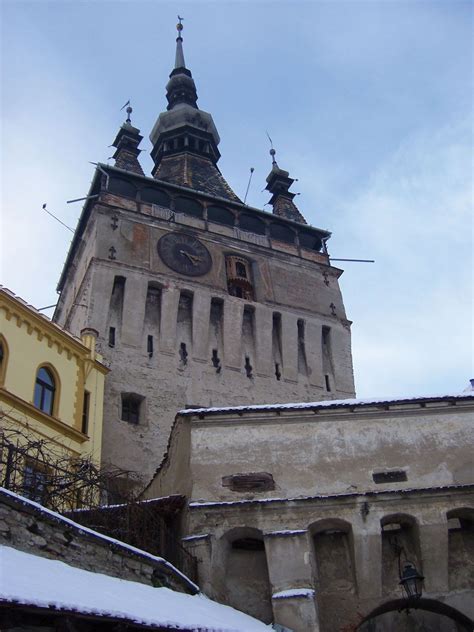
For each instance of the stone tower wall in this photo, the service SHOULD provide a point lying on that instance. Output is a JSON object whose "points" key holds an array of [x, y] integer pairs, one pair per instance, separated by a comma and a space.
{"points": [[232, 345]]}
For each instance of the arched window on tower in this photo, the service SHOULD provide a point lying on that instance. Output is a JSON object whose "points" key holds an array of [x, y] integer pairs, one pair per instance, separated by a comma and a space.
{"points": [[45, 391], [239, 278]]}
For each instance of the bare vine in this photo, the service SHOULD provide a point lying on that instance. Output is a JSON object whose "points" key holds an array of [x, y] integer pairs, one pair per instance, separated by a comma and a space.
{"points": [[43, 470]]}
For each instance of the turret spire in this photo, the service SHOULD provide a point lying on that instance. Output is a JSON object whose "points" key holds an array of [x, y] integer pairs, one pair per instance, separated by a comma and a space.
{"points": [[126, 143], [278, 183], [129, 111]]}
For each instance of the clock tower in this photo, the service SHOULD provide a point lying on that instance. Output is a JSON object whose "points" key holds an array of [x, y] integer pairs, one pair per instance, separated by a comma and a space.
{"points": [[197, 298]]}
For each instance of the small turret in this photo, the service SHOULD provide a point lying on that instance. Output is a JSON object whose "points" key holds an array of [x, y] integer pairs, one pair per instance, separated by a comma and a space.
{"points": [[278, 183], [126, 142]]}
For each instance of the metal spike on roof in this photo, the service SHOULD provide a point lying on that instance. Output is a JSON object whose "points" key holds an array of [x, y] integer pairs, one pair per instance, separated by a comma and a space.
{"points": [[179, 59]]}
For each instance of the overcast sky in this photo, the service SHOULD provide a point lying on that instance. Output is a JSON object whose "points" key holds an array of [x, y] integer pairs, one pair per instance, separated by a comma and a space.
{"points": [[369, 105]]}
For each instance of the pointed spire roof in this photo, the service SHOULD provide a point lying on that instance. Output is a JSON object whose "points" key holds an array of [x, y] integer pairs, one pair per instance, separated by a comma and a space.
{"points": [[126, 142], [185, 139], [181, 87], [179, 59], [278, 183]]}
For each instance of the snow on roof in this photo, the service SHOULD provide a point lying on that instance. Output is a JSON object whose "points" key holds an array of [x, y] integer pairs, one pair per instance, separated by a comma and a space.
{"points": [[281, 499], [330, 403], [35, 581], [85, 530], [305, 593], [284, 532], [143, 501]]}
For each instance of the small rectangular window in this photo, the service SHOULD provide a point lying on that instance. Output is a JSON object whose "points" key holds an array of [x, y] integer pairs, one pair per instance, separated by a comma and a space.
{"points": [[149, 346], [396, 476], [35, 481], [328, 383], [111, 336], [85, 412], [131, 405]]}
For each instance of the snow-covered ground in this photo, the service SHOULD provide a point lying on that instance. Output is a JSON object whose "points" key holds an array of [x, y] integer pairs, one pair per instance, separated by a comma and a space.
{"points": [[40, 582]]}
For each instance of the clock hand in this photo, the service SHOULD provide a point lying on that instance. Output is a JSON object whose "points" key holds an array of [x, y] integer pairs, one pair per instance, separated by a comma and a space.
{"points": [[193, 258]]}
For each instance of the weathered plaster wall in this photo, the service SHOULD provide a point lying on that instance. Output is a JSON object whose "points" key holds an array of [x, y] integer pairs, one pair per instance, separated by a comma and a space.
{"points": [[329, 529], [333, 451]]}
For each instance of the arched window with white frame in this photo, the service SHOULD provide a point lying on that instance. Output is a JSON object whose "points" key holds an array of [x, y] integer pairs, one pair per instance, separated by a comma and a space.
{"points": [[45, 390]]}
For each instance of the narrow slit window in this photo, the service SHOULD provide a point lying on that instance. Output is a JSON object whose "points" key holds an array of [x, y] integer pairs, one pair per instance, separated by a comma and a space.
{"points": [[277, 344], [328, 383], [216, 362], [111, 336], [248, 368], [325, 337], [85, 412], [302, 360], [183, 353], [149, 346]]}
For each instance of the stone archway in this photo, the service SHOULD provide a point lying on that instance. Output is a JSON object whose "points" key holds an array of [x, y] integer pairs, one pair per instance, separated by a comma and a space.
{"points": [[461, 548], [335, 584], [400, 542], [424, 615], [246, 581]]}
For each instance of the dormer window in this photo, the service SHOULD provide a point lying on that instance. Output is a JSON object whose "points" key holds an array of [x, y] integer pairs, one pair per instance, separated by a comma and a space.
{"points": [[239, 278]]}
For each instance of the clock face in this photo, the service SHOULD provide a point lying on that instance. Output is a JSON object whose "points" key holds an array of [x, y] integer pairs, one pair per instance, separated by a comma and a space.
{"points": [[184, 254]]}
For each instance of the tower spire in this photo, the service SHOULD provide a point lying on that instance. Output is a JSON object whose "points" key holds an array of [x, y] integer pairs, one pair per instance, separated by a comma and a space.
{"points": [[181, 87], [185, 139], [179, 59]]}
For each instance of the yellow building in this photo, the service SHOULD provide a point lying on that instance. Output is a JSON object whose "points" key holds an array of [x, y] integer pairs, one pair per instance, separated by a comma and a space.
{"points": [[51, 401]]}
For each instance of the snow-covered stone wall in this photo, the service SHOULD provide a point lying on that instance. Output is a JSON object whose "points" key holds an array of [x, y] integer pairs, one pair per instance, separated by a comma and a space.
{"points": [[27, 526]]}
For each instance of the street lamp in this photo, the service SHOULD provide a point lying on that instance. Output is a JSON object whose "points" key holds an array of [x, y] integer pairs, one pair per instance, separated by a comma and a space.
{"points": [[411, 581]]}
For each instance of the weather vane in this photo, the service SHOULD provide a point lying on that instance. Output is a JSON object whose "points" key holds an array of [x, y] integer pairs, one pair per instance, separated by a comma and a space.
{"points": [[129, 111], [272, 150], [179, 26]]}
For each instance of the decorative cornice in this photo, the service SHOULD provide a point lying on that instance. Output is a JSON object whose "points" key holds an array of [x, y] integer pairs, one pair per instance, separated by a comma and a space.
{"points": [[17, 403], [28, 315]]}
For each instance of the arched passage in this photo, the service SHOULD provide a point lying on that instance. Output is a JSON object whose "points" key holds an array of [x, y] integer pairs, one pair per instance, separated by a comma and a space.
{"points": [[247, 585], [336, 588], [400, 543], [461, 548], [423, 614]]}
